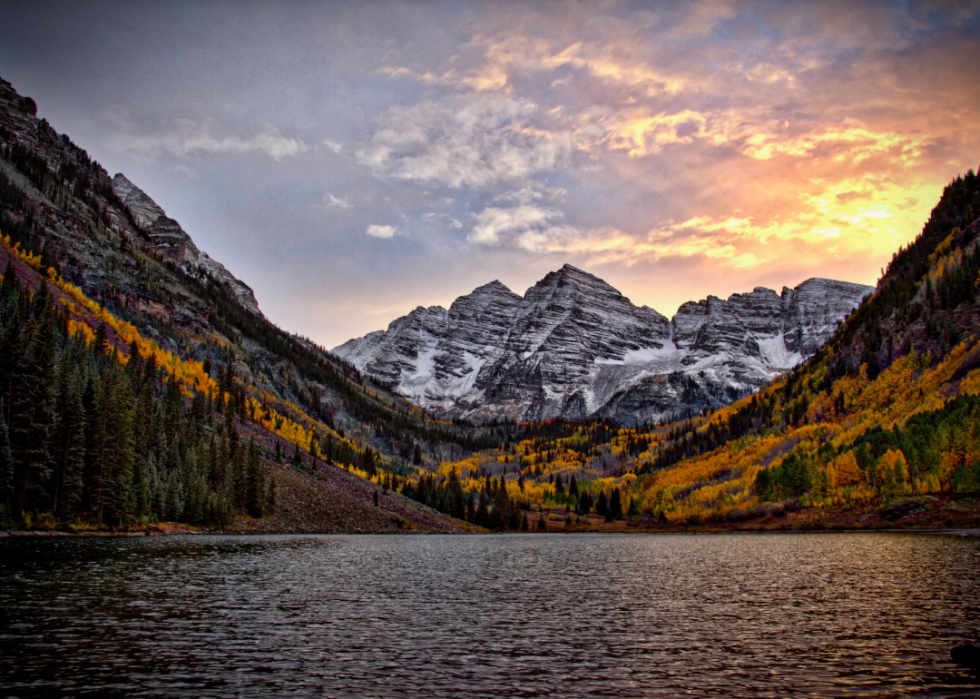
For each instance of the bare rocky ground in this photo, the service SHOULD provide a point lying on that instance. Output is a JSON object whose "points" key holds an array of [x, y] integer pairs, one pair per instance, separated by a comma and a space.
{"points": [[323, 498], [334, 501]]}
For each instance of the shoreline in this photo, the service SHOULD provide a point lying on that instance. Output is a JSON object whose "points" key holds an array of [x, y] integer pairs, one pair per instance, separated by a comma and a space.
{"points": [[964, 532]]}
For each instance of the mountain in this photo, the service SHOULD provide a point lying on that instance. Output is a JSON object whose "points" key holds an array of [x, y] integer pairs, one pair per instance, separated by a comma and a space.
{"points": [[881, 427], [111, 308], [171, 242], [574, 347]]}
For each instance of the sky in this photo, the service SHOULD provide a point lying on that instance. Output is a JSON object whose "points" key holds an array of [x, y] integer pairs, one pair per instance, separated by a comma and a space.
{"points": [[351, 161]]}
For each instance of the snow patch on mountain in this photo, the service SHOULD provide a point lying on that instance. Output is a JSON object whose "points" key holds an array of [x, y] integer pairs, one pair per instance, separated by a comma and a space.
{"points": [[574, 347]]}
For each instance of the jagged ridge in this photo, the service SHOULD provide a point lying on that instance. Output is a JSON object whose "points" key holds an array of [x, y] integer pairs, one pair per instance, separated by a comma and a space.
{"points": [[172, 242], [574, 347]]}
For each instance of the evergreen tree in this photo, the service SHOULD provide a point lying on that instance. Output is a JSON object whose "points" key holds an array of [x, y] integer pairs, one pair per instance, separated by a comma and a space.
{"points": [[31, 423], [271, 495], [238, 477], [6, 467], [68, 455], [615, 506], [482, 514], [120, 409], [500, 514], [602, 504], [256, 497]]}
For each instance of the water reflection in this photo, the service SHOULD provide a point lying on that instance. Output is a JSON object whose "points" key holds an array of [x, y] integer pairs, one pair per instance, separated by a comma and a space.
{"points": [[527, 616]]}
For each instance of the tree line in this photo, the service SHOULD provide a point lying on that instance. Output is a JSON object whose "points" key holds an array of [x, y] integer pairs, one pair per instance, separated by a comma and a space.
{"points": [[84, 436]]}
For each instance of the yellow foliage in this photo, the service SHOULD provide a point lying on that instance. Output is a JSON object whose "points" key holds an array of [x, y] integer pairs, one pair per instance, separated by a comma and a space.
{"points": [[893, 472], [844, 471]]}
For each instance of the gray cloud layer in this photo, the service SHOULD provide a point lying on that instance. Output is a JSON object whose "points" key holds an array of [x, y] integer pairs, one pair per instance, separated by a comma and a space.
{"points": [[351, 161]]}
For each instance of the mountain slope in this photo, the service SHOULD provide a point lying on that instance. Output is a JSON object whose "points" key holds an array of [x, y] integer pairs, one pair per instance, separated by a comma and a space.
{"points": [[171, 242], [137, 285], [889, 409], [880, 428], [574, 347]]}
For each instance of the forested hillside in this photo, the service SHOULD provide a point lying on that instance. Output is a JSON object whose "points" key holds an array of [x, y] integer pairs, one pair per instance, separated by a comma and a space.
{"points": [[100, 427], [880, 426], [888, 408], [62, 206], [140, 385], [171, 365]]}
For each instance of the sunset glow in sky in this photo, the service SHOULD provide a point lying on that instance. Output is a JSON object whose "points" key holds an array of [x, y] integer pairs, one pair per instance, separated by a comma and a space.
{"points": [[352, 161]]}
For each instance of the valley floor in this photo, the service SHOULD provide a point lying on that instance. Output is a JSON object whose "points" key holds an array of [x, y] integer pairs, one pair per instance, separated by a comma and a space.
{"points": [[336, 502], [912, 514]]}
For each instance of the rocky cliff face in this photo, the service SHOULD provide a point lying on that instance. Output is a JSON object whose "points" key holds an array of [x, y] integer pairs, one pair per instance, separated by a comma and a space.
{"points": [[110, 239], [171, 242], [84, 211], [575, 347]]}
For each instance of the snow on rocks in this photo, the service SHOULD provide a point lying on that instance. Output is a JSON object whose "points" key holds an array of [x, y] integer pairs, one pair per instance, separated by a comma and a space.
{"points": [[574, 347]]}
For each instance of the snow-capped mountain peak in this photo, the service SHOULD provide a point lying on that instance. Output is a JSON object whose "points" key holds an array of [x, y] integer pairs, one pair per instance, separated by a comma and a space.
{"points": [[573, 346]]}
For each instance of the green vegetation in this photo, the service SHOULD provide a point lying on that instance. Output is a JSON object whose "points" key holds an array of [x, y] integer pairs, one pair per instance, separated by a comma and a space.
{"points": [[84, 437]]}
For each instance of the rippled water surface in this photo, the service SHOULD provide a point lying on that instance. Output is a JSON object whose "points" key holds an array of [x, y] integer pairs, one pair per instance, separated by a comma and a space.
{"points": [[473, 616]]}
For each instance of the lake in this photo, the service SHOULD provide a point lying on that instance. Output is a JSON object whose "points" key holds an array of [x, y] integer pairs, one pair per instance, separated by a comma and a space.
{"points": [[537, 615]]}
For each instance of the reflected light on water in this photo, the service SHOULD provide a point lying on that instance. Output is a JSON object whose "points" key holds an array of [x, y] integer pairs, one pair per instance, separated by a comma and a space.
{"points": [[516, 615]]}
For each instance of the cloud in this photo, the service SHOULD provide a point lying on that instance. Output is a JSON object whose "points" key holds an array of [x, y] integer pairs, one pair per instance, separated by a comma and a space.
{"points": [[741, 142], [851, 140], [445, 219], [469, 141], [496, 225], [602, 60], [331, 201], [187, 138], [535, 191], [380, 231]]}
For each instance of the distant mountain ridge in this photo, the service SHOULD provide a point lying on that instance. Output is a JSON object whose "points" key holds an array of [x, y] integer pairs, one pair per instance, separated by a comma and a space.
{"points": [[575, 347]]}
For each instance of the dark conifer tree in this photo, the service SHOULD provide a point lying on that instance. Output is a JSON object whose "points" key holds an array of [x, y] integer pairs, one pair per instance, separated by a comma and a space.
{"points": [[602, 504], [6, 466], [615, 506], [256, 496], [68, 445], [32, 411], [500, 514], [120, 410], [482, 514]]}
